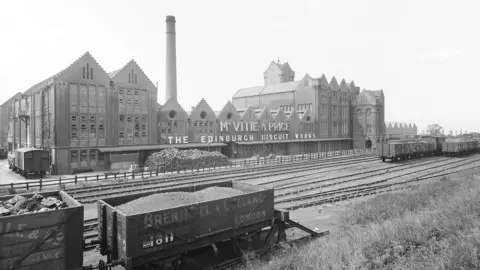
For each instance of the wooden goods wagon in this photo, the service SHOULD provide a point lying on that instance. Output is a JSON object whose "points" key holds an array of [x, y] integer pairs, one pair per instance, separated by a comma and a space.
{"points": [[51, 240], [133, 240], [436, 142], [392, 150], [30, 161]]}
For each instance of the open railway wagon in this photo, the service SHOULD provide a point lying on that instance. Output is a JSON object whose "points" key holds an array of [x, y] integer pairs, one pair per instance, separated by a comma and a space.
{"points": [[193, 235], [45, 234], [460, 146], [27, 161], [404, 149]]}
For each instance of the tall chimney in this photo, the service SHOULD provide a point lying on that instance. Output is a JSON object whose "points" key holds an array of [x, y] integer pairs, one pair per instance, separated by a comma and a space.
{"points": [[171, 90]]}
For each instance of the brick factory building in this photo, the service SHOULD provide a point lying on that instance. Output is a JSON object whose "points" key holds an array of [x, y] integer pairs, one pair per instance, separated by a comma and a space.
{"points": [[82, 110], [339, 114], [93, 120]]}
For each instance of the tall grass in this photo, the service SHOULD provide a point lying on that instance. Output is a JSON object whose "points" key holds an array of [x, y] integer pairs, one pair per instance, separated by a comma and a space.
{"points": [[434, 227]]}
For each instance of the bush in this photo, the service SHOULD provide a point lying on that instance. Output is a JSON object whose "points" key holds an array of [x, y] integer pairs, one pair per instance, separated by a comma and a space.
{"points": [[173, 159]]}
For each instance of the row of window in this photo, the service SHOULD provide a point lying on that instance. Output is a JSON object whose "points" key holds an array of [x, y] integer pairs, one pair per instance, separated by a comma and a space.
{"points": [[302, 107], [130, 118], [84, 133], [85, 96], [307, 127], [129, 102], [336, 127], [85, 155], [83, 118], [287, 108], [172, 127], [129, 92], [131, 126], [89, 72], [121, 134]]}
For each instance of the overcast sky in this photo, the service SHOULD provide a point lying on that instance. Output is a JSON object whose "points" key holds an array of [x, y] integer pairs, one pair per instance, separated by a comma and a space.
{"points": [[423, 54]]}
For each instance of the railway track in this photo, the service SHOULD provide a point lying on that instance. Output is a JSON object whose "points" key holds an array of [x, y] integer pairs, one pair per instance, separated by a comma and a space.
{"points": [[309, 186], [375, 187], [107, 191], [360, 190], [221, 172], [302, 181]]}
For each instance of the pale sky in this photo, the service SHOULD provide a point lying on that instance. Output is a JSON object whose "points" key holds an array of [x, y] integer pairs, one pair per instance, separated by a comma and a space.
{"points": [[423, 54]]}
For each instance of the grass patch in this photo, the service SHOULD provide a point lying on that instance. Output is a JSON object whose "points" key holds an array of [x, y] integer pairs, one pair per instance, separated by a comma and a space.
{"points": [[436, 226]]}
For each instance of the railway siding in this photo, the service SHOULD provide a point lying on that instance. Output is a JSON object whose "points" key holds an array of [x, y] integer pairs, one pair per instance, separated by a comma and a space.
{"points": [[115, 176]]}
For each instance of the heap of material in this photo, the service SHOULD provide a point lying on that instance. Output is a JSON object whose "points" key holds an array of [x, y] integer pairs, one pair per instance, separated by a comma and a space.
{"points": [[162, 201], [172, 159], [19, 205]]}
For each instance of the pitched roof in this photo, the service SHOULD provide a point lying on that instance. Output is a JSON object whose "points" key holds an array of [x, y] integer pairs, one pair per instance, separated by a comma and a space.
{"points": [[280, 88], [45, 82], [334, 83], [133, 62], [248, 92]]}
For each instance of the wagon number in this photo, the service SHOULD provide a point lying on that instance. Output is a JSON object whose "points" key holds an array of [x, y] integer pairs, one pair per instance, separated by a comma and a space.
{"points": [[158, 240]]}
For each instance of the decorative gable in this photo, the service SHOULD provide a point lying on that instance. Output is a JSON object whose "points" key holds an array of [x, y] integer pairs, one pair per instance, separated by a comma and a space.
{"points": [[334, 84], [249, 115], [85, 69], [132, 75], [343, 86], [228, 113], [172, 110], [280, 116], [265, 116], [202, 112]]}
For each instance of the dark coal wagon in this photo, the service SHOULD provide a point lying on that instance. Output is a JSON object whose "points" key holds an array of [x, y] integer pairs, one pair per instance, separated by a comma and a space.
{"points": [[169, 235], [50, 240]]}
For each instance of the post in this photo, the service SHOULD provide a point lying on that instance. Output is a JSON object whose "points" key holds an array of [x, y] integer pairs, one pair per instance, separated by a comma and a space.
{"points": [[76, 180], [41, 180]]}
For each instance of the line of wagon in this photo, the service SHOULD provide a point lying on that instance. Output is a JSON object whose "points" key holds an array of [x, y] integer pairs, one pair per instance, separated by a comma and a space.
{"points": [[174, 238], [396, 150]]}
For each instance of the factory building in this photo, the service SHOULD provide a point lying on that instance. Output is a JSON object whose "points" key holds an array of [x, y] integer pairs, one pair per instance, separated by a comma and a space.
{"points": [[81, 112], [5, 115], [342, 117], [91, 120]]}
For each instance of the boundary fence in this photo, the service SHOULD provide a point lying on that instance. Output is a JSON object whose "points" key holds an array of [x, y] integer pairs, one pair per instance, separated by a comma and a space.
{"points": [[41, 183]]}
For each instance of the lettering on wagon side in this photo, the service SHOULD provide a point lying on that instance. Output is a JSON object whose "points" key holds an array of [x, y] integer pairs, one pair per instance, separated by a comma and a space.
{"points": [[35, 258], [30, 235], [217, 207]]}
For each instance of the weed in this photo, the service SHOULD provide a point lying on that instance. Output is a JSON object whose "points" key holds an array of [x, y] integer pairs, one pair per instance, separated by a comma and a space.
{"points": [[436, 226]]}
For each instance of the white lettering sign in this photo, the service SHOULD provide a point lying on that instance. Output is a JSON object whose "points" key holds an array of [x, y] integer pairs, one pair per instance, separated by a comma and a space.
{"points": [[254, 126], [206, 139]]}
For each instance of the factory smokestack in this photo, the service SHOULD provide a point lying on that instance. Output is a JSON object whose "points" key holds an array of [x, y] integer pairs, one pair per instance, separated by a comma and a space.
{"points": [[171, 90]]}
